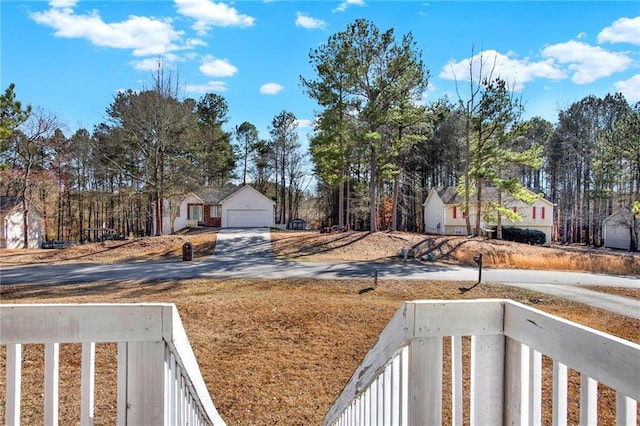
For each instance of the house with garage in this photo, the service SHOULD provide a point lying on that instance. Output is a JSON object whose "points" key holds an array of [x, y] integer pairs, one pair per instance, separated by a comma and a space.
{"points": [[229, 206], [444, 214], [621, 230], [12, 220]]}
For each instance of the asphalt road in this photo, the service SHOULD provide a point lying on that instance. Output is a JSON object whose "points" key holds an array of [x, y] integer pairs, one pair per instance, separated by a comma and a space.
{"points": [[246, 253]]}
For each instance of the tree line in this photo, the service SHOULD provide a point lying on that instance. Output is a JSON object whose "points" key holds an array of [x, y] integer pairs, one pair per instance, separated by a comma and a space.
{"points": [[131, 172], [377, 149]]}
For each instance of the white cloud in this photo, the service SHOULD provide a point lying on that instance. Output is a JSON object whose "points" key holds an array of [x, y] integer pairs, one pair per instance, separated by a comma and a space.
{"points": [[208, 14], [304, 123], [145, 36], [515, 72], [588, 63], [346, 3], [308, 22], [270, 88], [624, 30], [630, 88], [212, 86], [214, 67], [62, 3]]}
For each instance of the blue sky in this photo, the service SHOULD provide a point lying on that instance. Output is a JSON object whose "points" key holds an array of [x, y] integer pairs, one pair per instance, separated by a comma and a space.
{"points": [[71, 57]]}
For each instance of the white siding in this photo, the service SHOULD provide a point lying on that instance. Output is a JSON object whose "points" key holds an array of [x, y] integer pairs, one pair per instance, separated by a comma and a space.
{"points": [[13, 229], [434, 212], [247, 208], [617, 236], [181, 219]]}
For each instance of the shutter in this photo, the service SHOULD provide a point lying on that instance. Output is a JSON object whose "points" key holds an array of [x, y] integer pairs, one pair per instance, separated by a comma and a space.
{"points": [[542, 213], [534, 212], [455, 212]]}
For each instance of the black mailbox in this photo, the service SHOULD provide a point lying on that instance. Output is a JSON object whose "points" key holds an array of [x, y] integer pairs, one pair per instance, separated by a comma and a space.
{"points": [[478, 259], [187, 251]]}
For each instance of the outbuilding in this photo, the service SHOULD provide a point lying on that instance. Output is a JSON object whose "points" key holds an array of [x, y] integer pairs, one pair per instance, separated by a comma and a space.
{"points": [[621, 229], [12, 220]]}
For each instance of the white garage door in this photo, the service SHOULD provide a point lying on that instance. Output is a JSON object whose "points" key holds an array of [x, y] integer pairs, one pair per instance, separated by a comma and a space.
{"points": [[248, 218]]}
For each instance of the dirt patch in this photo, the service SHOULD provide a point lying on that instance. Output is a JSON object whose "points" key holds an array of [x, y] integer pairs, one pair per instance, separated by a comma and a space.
{"points": [[146, 248], [391, 246]]}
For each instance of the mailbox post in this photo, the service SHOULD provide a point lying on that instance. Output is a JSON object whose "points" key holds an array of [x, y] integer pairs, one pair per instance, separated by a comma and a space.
{"points": [[478, 260]]}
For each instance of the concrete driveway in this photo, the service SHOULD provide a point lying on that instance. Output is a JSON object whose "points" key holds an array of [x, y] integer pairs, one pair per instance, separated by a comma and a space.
{"points": [[246, 253], [239, 243]]}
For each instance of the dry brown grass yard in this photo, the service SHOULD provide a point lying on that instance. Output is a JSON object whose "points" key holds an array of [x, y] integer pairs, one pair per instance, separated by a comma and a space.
{"points": [[275, 351]]}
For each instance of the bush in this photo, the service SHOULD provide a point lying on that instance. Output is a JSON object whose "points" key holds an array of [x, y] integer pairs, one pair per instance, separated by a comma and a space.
{"points": [[526, 236]]}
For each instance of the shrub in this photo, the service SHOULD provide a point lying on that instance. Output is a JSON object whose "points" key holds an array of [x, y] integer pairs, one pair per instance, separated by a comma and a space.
{"points": [[519, 235]]}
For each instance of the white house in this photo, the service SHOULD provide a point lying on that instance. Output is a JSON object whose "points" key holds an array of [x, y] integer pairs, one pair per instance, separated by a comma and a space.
{"points": [[620, 229], [12, 229], [443, 213], [226, 207]]}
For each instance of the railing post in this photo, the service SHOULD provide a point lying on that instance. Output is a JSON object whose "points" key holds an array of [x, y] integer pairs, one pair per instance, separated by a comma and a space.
{"points": [[87, 383], [51, 382], [425, 381], [516, 387], [143, 365], [626, 409], [487, 379], [559, 394], [14, 384]]}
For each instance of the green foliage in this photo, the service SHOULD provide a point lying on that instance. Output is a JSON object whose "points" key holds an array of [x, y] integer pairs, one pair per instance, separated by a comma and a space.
{"points": [[12, 114], [366, 82]]}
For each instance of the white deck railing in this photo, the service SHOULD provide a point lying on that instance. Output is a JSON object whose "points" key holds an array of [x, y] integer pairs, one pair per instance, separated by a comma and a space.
{"points": [[400, 381], [158, 383]]}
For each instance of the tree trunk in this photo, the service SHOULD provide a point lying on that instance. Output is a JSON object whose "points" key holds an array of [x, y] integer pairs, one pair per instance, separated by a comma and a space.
{"points": [[373, 164], [478, 206], [394, 207]]}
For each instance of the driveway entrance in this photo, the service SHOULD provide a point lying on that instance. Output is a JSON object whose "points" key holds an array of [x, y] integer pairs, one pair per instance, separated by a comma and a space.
{"points": [[244, 242]]}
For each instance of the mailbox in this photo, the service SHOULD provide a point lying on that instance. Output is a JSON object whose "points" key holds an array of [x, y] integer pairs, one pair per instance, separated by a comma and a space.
{"points": [[187, 251]]}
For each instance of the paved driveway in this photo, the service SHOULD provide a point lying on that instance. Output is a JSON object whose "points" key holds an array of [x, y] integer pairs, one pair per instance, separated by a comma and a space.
{"points": [[238, 243]]}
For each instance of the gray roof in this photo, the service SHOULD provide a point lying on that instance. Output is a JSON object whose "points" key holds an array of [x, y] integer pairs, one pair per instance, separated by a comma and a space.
{"points": [[449, 194], [7, 203], [214, 195]]}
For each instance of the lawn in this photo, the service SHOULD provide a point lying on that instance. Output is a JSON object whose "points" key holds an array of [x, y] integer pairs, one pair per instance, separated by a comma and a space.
{"points": [[271, 351]]}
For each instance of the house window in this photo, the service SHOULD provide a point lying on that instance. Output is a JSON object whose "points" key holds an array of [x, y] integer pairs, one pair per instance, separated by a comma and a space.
{"points": [[540, 211], [459, 230], [455, 212], [195, 212], [215, 211]]}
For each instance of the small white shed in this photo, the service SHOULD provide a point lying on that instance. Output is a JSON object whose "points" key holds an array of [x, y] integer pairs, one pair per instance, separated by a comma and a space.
{"points": [[12, 228], [620, 229]]}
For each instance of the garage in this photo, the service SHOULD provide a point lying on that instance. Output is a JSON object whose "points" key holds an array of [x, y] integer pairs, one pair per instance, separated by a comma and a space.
{"points": [[247, 208], [248, 218]]}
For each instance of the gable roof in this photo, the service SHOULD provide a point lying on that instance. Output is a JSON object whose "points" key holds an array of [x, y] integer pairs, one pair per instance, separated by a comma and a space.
{"points": [[247, 188], [8, 203], [621, 215], [449, 194], [215, 195]]}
